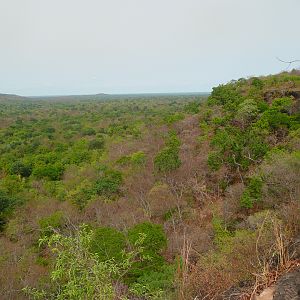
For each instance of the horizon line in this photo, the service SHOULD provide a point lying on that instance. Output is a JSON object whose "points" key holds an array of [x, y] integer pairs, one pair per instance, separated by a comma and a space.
{"points": [[106, 94]]}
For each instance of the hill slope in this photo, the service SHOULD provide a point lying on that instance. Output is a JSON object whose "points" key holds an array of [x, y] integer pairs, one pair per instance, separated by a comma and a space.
{"points": [[182, 197]]}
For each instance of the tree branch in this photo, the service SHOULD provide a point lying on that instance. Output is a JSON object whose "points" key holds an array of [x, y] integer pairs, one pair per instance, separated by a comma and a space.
{"points": [[288, 62]]}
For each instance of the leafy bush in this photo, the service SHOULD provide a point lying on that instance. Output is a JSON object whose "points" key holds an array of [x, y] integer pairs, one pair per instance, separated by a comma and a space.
{"points": [[56, 189], [227, 96], [257, 82], [174, 118], [256, 144], [49, 171], [153, 241], [281, 172], [155, 237], [108, 185], [156, 284], [124, 160], [173, 140], [192, 107], [96, 144], [53, 221], [12, 185], [76, 156], [225, 139], [82, 193], [77, 273], [168, 158], [248, 111], [88, 131], [252, 193], [108, 243], [138, 158], [221, 234], [19, 168], [283, 104], [214, 160], [7, 204]]}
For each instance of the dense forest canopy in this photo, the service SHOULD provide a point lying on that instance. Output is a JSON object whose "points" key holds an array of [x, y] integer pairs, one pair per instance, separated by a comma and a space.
{"points": [[150, 197]]}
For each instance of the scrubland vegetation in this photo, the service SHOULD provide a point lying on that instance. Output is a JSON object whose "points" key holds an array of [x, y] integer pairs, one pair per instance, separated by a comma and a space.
{"points": [[166, 197]]}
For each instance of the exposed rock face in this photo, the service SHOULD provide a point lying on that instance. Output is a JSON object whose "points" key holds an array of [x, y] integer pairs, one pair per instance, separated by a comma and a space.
{"points": [[288, 287]]}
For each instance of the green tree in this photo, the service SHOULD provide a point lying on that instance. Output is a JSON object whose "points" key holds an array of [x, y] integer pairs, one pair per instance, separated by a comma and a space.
{"points": [[155, 237], [108, 185], [7, 204], [96, 144], [252, 193], [53, 221], [19, 168], [77, 274], [168, 158], [108, 243], [154, 241]]}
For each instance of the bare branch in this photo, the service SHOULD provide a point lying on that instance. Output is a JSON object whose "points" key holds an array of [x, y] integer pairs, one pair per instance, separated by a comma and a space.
{"points": [[288, 62]]}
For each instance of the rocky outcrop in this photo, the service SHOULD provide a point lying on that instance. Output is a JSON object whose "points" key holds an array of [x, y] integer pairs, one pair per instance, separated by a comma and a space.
{"points": [[288, 287]]}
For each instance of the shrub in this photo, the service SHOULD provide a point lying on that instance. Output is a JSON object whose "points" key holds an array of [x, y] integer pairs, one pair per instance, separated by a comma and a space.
{"points": [[82, 193], [167, 160], [53, 221], [227, 96], [76, 274], [282, 178], [7, 204], [49, 171], [19, 168], [108, 243], [12, 184], [192, 107], [223, 140], [109, 183], [88, 131], [174, 118], [257, 82], [76, 156], [153, 241], [247, 111], [272, 119], [214, 160], [96, 144], [252, 193], [219, 121], [155, 237], [256, 144], [56, 189], [156, 284], [138, 158], [219, 270], [221, 234], [283, 104], [124, 160], [172, 140]]}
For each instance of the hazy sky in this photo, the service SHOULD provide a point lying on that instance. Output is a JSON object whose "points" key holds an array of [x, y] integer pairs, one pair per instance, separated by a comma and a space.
{"points": [[125, 46]]}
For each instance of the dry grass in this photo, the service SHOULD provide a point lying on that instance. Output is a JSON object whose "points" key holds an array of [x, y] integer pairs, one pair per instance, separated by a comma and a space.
{"points": [[253, 262]]}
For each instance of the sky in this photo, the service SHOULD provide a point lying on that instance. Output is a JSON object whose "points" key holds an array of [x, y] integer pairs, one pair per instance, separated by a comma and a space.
{"points": [[57, 47]]}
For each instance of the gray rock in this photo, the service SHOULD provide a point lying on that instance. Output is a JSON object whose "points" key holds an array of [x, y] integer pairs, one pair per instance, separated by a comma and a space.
{"points": [[288, 286]]}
